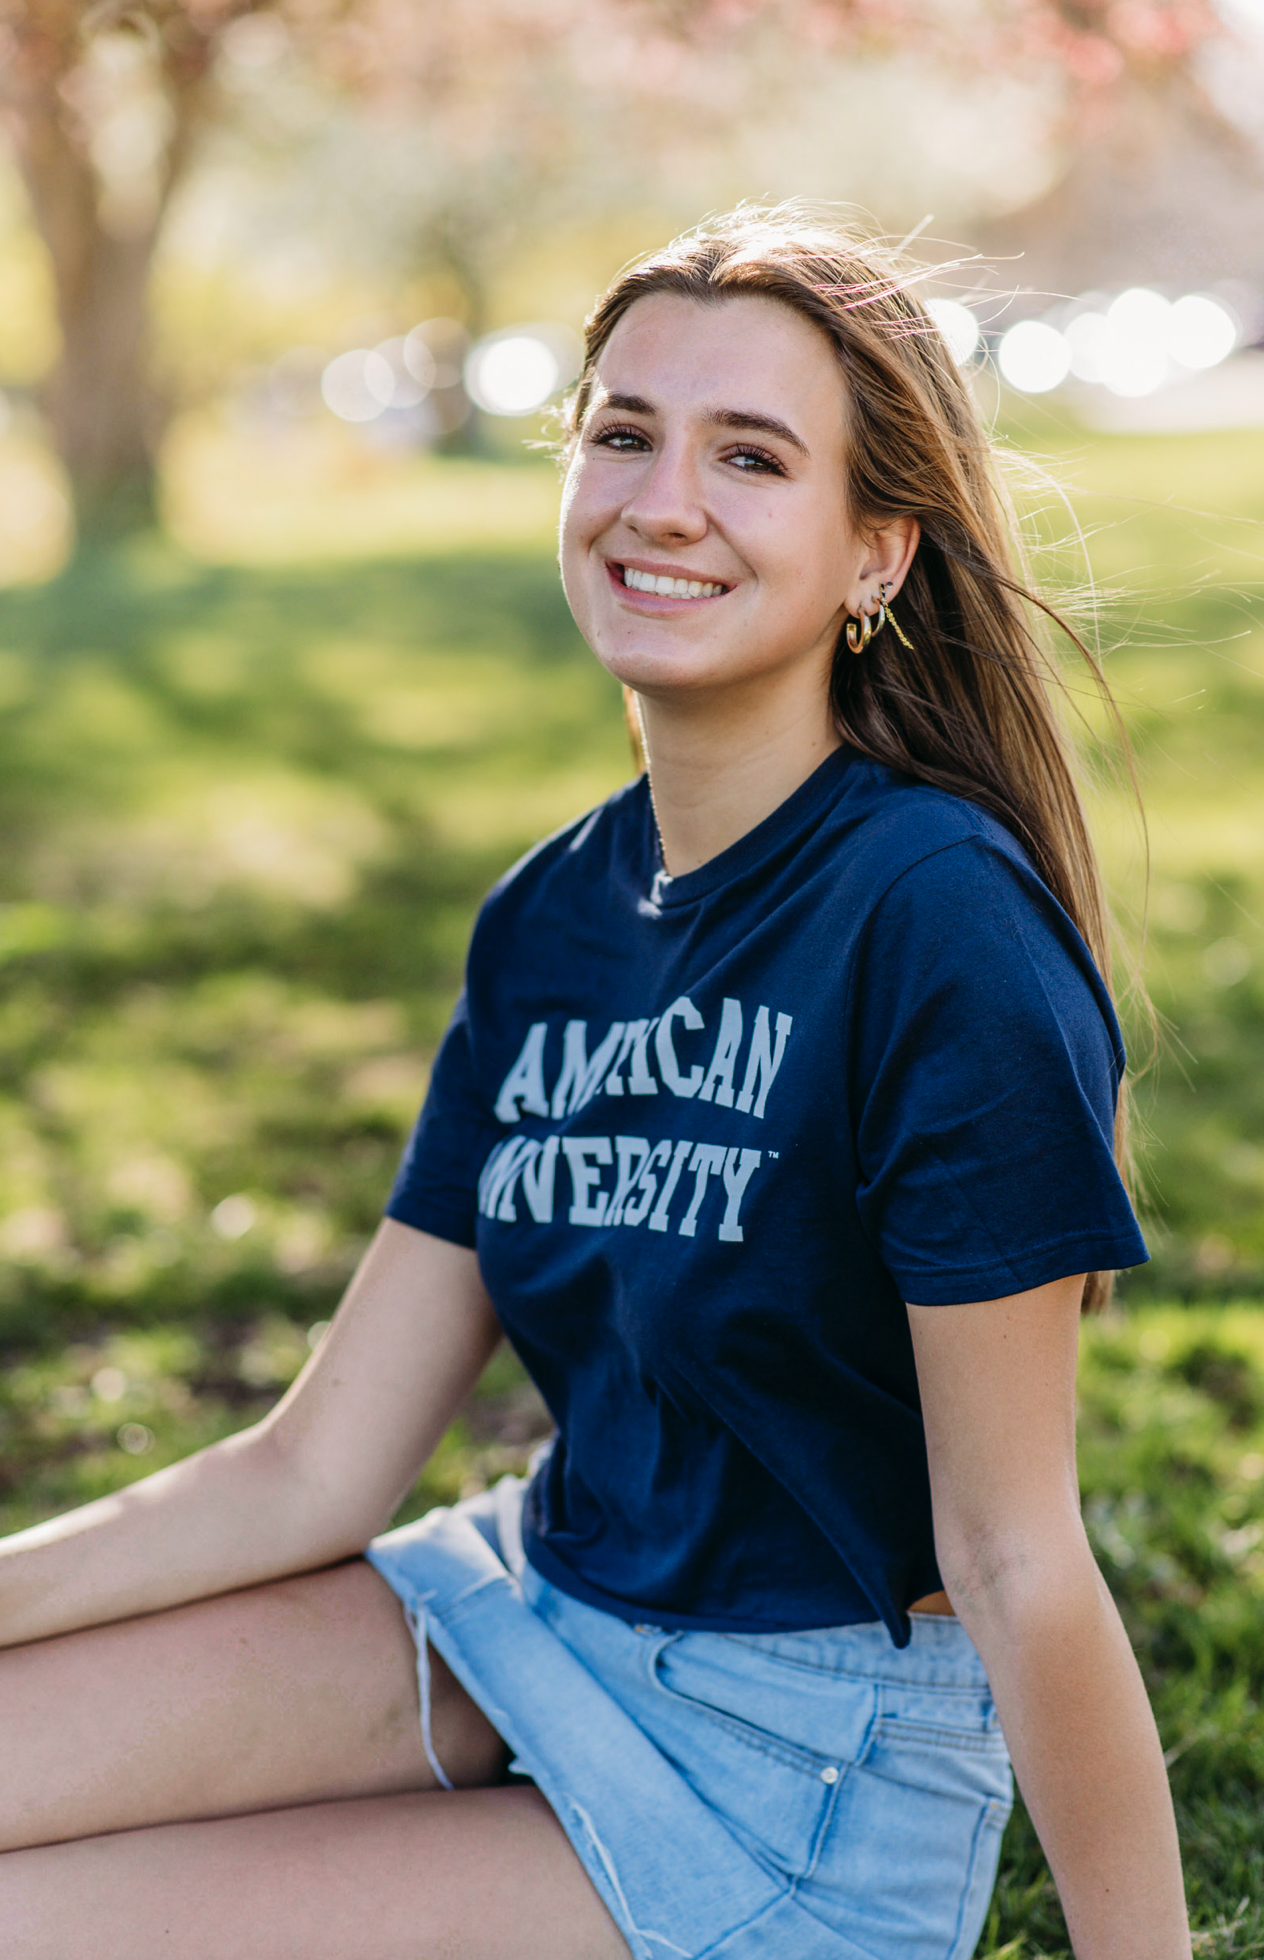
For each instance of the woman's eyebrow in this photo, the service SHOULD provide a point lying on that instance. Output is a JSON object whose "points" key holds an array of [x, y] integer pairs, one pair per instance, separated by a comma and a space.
{"points": [[724, 418], [749, 418], [630, 404]]}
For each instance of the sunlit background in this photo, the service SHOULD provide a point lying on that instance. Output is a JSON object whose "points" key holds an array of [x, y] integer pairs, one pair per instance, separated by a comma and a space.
{"points": [[289, 297]]}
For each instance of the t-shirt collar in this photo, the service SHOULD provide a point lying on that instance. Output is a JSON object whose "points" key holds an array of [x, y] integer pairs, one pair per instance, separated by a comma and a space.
{"points": [[799, 812]]}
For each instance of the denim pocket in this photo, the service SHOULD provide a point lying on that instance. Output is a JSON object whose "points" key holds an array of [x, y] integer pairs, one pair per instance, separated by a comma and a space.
{"points": [[944, 1742], [909, 1860], [732, 1733]]}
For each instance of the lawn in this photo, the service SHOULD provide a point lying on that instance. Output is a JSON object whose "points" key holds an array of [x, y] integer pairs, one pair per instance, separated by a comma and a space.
{"points": [[253, 780]]}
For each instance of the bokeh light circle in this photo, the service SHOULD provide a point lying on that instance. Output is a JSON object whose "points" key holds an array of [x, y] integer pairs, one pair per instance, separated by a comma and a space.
{"points": [[1034, 357], [511, 373], [1200, 332], [1087, 335], [1139, 315], [358, 385], [418, 358], [1132, 359], [958, 326], [1132, 368], [405, 390]]}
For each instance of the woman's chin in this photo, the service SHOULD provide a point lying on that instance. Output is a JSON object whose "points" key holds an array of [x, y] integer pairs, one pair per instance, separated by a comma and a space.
{"points": [[662, 676], [657, 661]]}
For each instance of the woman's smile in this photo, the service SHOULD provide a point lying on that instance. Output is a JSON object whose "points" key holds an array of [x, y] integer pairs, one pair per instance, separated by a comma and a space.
{"points": [[646, 586]]}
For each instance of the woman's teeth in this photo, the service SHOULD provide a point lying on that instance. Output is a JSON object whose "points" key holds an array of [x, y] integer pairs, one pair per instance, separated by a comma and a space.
{"points": [[669, 588]]}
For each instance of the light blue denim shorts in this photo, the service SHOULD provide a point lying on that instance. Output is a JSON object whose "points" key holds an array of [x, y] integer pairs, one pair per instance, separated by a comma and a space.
{"points": [[791, 1796]]}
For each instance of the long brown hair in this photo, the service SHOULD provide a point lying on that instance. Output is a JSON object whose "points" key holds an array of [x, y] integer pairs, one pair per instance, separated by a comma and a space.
{"points": [[972, 704]]}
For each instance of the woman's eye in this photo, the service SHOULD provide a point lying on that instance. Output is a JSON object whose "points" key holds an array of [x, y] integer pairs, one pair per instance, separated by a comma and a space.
{"points": [[621, 439], [755, 461]]}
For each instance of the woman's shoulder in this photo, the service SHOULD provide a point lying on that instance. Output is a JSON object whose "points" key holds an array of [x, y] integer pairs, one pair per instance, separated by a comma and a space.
{"points": [[952, 891], [905, 826]]}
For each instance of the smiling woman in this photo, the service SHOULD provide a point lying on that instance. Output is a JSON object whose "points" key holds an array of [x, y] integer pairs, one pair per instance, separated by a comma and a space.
{"points": [[774, 1127], [704, 486]]}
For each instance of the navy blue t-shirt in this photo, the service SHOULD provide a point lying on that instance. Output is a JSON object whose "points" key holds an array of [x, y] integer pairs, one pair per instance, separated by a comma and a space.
{"points": [[709, 1134]]}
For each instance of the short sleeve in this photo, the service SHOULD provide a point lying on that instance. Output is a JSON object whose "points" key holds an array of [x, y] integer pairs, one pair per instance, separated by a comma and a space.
{"points": [[436, 1186], [986, 1062]]}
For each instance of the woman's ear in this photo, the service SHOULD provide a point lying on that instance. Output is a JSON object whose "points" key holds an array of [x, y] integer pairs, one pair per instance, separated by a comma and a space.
{"points": [[892, 551]]}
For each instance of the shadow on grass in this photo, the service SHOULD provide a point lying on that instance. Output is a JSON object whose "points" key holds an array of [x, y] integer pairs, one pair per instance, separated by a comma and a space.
{"points": [[246, 817]]}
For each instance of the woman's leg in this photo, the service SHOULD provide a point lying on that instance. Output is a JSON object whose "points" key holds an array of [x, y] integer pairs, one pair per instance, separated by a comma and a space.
{"points": [[472, 1875], [299, 1691]]}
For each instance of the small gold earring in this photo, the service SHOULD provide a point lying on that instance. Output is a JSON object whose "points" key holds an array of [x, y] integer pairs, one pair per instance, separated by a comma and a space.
{"points": [[887, 611], [859, 632]]}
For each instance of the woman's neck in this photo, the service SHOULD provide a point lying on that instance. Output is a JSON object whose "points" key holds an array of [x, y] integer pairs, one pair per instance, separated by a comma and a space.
{"points": [[717, 769]]}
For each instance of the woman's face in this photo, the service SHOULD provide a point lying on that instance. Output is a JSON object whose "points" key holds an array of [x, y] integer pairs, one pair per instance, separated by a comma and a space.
{"points": [[713, 455]]}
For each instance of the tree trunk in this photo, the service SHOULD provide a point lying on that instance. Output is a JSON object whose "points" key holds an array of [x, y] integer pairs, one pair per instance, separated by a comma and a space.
{"points": [[104, 414], [102, 411]]}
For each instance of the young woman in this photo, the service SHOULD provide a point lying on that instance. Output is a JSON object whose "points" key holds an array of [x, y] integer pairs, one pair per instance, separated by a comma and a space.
{"points": [[775, 1129]]}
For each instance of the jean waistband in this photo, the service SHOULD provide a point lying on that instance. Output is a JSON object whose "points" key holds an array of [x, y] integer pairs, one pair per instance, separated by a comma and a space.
{"points": [[940, 1653]]}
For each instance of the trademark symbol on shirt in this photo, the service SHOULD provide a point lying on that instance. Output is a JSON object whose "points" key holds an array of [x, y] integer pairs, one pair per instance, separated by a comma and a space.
{"points": [[774, 1153]]}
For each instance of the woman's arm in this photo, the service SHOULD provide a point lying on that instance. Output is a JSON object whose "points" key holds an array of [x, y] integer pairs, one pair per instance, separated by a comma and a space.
{"points": [[998, 1394], [309, 1484]]}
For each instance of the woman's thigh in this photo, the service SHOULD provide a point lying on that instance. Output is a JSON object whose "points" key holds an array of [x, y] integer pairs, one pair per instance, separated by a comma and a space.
{"points": [[471, 1875], [294, 1692]]}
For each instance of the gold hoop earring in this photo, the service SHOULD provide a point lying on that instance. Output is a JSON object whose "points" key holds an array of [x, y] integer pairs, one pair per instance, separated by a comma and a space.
{"points": [[859, 632]]}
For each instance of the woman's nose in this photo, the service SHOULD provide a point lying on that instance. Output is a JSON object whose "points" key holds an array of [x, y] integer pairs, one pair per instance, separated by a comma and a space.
{"points": [[667, 501]]}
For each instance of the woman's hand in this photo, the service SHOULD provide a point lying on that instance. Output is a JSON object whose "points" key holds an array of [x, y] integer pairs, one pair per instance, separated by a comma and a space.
{"points": [[308, 1485], [997, 1383]]}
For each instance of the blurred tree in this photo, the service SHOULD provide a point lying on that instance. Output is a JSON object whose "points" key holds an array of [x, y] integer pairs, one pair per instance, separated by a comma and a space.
{"points": [[1156, 173], [517, 110], [476, 127], [486, 92], [103, 104], [1164, 177], [1087, 44]]}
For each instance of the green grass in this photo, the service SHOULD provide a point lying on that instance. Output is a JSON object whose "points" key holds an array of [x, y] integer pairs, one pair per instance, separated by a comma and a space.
{"points": [[1172, 1472], [245, 816], [1175, 535], [252, 785]]}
